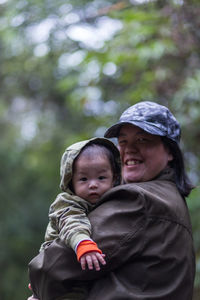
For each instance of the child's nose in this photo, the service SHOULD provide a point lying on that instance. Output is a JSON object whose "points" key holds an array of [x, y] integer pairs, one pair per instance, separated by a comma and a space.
{"points": [[93, 184]]}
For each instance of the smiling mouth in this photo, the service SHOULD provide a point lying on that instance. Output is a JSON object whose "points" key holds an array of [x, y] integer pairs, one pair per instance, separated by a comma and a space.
{"points": [[133, 162]]}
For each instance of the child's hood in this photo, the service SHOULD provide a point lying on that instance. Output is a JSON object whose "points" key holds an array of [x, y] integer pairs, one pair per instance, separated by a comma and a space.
{"points": [[73, 151]]}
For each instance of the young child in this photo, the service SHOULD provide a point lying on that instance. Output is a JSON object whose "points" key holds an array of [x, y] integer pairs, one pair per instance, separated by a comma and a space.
{"points": [[88, 169]]}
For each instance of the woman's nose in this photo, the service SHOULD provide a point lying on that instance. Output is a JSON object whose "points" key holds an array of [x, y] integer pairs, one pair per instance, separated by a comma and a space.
{"points": [[131, 148]]}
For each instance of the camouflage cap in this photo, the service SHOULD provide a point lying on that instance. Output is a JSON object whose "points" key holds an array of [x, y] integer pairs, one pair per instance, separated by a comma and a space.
{"points": [[151, 117]]}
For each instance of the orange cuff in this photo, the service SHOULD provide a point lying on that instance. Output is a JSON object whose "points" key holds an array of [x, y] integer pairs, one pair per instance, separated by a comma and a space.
{"points": [[85, 247]]}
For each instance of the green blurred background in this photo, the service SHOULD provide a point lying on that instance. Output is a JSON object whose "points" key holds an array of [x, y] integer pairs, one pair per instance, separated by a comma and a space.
{"points": [[67, 70]]}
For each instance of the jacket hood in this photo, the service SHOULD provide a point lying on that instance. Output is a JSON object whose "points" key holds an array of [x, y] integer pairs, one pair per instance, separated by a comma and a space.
{"points": [[73, 151]]}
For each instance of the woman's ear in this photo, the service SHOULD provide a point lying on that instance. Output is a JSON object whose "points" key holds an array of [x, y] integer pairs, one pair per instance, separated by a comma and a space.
{"points": [[170, 156]]}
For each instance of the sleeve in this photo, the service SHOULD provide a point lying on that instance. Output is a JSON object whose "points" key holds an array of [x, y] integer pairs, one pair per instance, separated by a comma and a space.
{"points": [[118, 225], [68, 220]]}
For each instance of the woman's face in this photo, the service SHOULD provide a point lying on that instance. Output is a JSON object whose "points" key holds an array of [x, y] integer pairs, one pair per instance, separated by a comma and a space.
{"points": [[143, 155]]}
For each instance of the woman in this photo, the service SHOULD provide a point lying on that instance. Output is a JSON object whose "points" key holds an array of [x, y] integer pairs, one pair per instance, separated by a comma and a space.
{"points": [[143, 226]]}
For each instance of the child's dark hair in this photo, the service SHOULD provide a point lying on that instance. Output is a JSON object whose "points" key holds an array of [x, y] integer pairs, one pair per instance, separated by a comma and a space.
{"points": [[177, 164]]}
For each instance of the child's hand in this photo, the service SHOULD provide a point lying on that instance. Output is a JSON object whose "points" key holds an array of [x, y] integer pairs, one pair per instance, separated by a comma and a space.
{"points": [[31, 297], [92, 259]]}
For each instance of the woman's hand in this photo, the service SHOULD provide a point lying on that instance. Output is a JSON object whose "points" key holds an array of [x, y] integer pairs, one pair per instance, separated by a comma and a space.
{"points": [[92, 259], [32, 298]]}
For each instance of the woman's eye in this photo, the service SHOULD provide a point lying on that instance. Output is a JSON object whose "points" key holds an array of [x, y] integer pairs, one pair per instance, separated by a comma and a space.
{"points": [[142, 140], [102, 177]]}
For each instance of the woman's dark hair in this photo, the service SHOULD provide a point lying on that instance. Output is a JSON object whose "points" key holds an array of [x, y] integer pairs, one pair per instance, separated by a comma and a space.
{"points": [[183, 183]]}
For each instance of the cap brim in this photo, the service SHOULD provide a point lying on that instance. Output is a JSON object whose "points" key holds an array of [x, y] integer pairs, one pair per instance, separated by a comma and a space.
{"points": [[114, 130]]}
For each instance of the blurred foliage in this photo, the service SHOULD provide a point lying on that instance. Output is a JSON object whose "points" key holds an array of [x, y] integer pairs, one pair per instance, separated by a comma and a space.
{"points": [[67, 71]]}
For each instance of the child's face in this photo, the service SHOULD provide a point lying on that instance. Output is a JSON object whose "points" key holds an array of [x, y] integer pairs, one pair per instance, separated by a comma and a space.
{"points": [[92, 177]]}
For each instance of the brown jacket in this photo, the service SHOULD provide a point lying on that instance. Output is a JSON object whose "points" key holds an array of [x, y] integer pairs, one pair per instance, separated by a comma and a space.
{"points": [[144, 229]]}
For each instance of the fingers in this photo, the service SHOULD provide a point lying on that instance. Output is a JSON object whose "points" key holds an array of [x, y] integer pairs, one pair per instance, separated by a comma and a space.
{"points": [[100, 258], [92, 259], [83, 262]]}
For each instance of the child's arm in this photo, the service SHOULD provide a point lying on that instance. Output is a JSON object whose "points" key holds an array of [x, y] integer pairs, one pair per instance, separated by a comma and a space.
{"points": [[70, 213], [75, 228]]}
